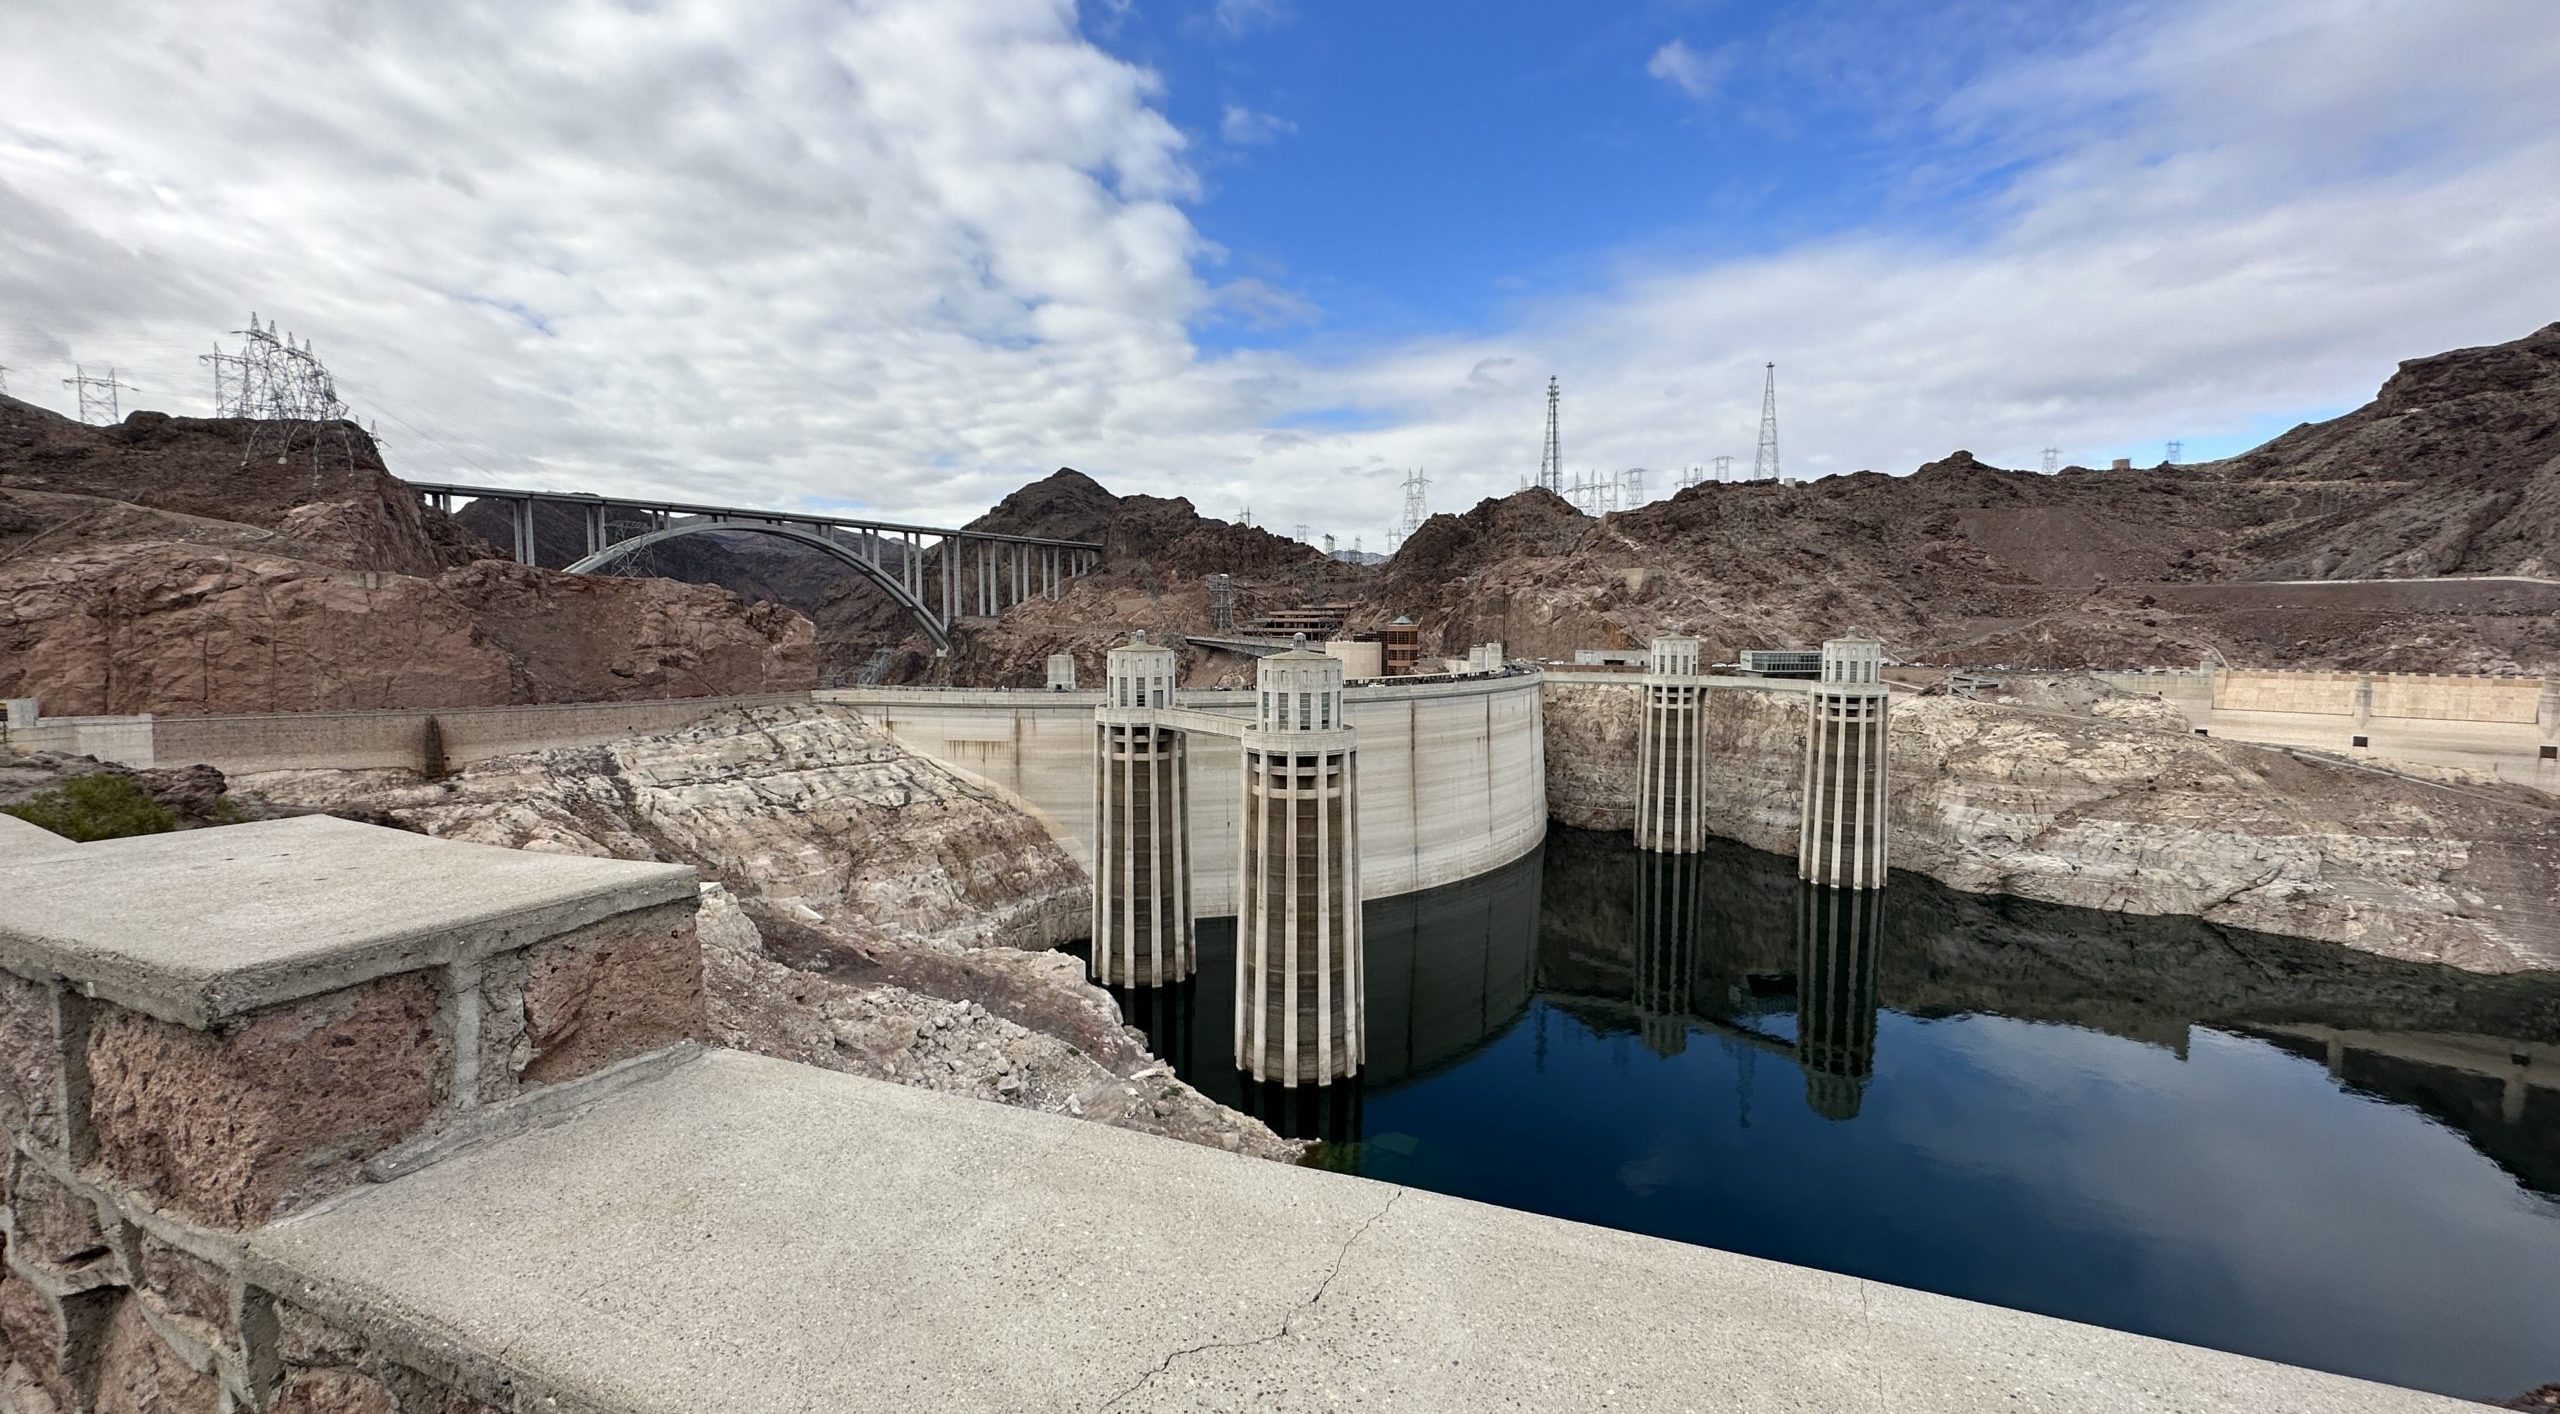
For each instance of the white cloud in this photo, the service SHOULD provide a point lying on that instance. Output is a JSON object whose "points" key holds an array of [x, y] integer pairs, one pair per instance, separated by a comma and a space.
{"points": [[909, 253], [1686, 69], [1239, 17], [1245, 127]]}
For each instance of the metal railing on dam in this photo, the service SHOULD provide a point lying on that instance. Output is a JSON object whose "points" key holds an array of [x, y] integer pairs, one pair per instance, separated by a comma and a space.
{"points": [[1452, 770]]}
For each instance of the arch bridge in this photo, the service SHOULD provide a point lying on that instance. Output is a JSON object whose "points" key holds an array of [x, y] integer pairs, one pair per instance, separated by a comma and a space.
{"points": [[937, 574]]}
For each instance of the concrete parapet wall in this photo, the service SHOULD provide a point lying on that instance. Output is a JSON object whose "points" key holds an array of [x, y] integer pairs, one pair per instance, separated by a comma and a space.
{"points": [[849, 1245], [203, 1032], [1452, 771]]}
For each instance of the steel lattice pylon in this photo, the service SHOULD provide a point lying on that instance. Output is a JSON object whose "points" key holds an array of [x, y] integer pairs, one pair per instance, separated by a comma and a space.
{"points": [[1551, 460], [1764, 466]]}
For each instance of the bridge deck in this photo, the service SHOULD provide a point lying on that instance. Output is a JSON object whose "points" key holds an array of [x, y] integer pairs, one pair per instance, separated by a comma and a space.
{"points": [[735, 513]]}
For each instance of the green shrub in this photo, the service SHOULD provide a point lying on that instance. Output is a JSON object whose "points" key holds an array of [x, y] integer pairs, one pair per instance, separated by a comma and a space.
{"points": [[104, 806]]}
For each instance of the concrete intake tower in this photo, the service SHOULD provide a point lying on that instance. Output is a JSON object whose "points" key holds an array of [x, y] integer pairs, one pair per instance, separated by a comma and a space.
{"points": [[1299, 964], [1668, 757], [1142, 925], [1841, 841]]}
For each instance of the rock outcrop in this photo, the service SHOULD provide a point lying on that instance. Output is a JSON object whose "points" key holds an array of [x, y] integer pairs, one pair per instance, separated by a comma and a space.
{"points": [[2107, 808], [145, 568], [872, 911]]}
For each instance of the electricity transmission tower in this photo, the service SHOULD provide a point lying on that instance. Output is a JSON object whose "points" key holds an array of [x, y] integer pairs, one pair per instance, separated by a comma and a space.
{"points": [[1551, 460], [1724, 470], [97, 395], [1764, 465], [281, 388], [2052, 460], [4, 378], [2176, 450], [1631, 487], [1414, 512]]}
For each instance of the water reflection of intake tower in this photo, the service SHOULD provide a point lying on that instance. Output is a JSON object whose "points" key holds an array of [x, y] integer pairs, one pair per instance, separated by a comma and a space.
{"points": [[1448, 971], [1699, 959]]}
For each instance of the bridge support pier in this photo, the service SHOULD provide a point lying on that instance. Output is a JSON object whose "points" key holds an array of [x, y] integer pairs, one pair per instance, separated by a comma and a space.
{"points": [[1841, 839], [1668, 758], [1142, 925], [1300, 968]]}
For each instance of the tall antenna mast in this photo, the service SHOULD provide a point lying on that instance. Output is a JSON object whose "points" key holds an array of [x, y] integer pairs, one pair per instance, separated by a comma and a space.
{"points": [[1764, 466], [1551, 461]]}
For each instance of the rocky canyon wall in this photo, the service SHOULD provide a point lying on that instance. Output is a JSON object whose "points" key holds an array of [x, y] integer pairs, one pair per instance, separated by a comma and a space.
{"points": [[2109, 808], [875, 913]]}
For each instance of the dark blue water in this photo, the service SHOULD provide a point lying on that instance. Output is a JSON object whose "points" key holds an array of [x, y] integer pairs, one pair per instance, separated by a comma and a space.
{"points": [[2266, 1145]]}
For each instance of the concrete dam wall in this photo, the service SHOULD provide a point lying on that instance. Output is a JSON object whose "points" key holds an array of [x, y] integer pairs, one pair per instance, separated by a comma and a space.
{"points": [[1452, 774]]}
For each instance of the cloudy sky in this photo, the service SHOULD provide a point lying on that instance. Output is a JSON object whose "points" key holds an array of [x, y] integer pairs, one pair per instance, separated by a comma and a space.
{"points": [[903, 255]]}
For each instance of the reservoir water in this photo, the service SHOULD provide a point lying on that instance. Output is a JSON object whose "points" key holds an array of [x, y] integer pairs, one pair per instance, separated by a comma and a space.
{"points": [[2283, 1148]]}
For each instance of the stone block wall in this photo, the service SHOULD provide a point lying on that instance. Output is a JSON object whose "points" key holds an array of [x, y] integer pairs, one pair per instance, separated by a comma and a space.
{"points": [[141, 1150]]}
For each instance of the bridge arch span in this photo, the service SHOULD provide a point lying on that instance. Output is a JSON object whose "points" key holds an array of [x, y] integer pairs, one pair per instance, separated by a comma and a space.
{"points": [[895, 587]]}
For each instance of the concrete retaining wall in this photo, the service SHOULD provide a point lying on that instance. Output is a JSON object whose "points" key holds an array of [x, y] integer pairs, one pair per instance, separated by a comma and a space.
{"points": [[363, 741], [1452, 774], [2497, 725]]}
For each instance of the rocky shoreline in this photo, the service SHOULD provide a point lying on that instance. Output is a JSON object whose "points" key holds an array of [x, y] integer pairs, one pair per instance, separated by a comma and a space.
{"points": [[2098, 800]]}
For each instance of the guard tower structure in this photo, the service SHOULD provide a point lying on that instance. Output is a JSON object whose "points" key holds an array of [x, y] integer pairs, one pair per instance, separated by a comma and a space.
{"points": [[1300, 971], [1142, 924], [1842, 835]]}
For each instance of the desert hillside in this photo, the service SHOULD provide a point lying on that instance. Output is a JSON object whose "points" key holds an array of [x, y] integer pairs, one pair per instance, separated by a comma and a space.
{"points": [[150, 566]]}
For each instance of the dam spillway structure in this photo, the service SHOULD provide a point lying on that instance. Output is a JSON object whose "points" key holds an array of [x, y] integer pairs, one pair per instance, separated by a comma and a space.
{"points": [[1668, 759], [1299, 965], [1143, 933], [1841, 833]]}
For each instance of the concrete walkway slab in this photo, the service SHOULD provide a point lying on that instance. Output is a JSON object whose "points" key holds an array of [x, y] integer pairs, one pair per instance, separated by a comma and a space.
{"points": [[750, 1235], [199, 925]]}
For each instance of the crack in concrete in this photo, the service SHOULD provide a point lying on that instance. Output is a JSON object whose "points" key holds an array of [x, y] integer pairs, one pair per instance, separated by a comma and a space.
{"points": [[1285, 1320]]}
